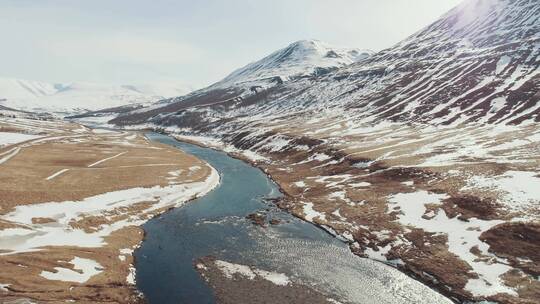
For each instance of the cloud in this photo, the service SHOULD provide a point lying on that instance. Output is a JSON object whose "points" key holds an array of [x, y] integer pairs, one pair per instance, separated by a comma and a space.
{"points": [[123, 48]]}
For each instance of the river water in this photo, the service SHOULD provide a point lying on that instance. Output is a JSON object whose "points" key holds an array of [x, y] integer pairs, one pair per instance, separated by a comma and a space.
{"points": [[216, 225]]}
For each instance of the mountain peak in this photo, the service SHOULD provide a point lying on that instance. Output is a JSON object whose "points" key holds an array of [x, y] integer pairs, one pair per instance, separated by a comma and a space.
{"points": [[310, 44], [306, 43], [482, 24], [300, 58]]}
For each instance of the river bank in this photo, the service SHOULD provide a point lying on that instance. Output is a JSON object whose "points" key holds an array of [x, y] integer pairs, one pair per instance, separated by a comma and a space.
{"points": [[216, 225], [72, 200], [414, 217]]}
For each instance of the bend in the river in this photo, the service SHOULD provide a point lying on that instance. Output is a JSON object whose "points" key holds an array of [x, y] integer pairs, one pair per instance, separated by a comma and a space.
{"points": [[216, 225]]}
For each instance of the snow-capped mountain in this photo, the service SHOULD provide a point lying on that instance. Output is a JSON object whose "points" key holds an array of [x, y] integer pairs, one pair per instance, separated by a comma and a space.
{"points": [[79, 97], [301, 58], [479, 62]]}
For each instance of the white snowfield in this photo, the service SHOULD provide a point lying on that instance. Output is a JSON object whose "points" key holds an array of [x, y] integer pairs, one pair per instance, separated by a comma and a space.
{"points": [[10, 138], [216, 143], [81, 96], [311, 214], [519, 190], [88, 268]]}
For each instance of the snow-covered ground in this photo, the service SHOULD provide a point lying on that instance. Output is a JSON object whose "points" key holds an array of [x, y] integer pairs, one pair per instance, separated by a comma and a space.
{"points": [[9, 138], [78, 97], [35, 236], [518, 190], [83, 270], [462, 237]]}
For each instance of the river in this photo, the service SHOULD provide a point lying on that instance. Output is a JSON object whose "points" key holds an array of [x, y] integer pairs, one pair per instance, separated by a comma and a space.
{"points": [[216, 225]]}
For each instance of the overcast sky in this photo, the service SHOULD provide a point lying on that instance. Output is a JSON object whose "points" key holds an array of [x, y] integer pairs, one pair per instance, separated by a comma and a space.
{"points": [[193, 42]]}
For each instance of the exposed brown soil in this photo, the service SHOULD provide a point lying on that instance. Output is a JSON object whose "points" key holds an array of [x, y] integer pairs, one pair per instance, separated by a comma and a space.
{"points": [[468, 206], [22, 273], [141, 165], [429, 260], [519, 243], [42, 220]]}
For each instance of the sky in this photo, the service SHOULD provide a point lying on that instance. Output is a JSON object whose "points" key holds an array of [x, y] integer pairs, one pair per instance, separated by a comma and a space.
{"points": [[185, 41]]}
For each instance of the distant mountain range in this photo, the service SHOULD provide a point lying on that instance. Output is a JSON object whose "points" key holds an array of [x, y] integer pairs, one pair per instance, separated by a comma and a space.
{"points": [[79, 97]]}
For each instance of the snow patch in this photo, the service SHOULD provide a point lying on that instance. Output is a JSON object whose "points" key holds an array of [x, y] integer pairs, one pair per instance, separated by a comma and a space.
{"points": [[36, 236], [311, 214], [462, 236], [518, 190], [300, 184], [230, 269], [83, 270], [9, 138]]}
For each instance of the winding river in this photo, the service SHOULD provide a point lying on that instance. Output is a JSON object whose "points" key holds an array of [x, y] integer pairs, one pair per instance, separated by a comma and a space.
{"points": [[216, 225]]}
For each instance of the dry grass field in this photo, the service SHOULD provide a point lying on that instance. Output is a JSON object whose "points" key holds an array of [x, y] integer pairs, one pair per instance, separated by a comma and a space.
{"points": [[71, 202]]}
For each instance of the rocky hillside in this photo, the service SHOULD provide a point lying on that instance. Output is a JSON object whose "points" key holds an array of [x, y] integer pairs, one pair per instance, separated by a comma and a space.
{"points": [[477, 63]]}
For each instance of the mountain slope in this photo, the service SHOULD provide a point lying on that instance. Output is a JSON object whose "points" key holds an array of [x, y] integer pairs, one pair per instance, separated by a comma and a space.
{"points": [[301, 60], [423, 156], [462, 68], [78, 96], [477, 63]]}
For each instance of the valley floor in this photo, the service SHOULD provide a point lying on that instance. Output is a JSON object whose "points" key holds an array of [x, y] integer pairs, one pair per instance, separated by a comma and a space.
{"points": [[457, 207], [71, 203]]}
